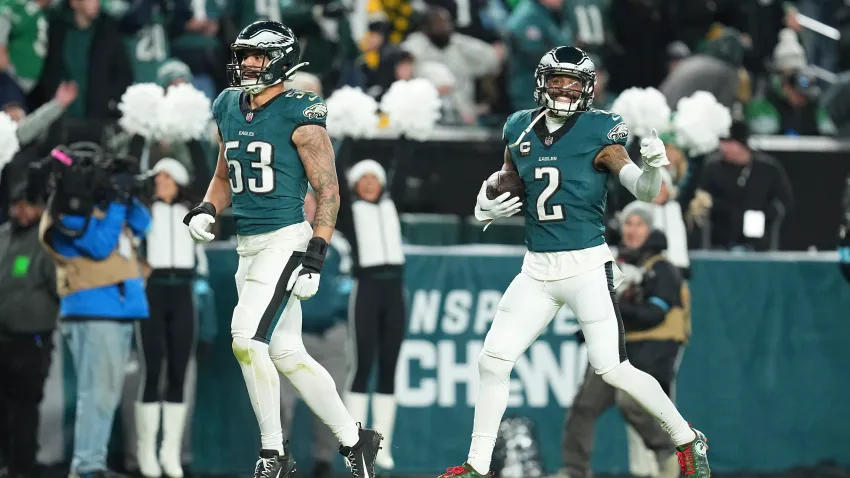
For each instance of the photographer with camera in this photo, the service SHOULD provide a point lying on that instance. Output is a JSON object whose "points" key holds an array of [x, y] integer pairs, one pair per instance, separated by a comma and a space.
{"points": [[92, 220]]}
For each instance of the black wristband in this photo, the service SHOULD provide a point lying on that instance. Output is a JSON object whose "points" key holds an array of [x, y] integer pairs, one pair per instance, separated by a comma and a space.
{"points": [[314, 258], [203, 208]]}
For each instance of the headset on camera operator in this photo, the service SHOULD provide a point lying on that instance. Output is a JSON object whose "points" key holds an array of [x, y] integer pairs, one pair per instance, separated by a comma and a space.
{"points": [[92, 219]]}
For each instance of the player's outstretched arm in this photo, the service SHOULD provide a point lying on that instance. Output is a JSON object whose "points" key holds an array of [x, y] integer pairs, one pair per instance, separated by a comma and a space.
{"points": [[317, 154], [218, 192], [644, 184]]}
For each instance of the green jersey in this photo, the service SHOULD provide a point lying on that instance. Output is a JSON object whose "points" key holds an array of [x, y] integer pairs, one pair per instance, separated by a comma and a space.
{"points": [[23, 30], [586, 20], [267, 178], [148, 47], [565, 193]]}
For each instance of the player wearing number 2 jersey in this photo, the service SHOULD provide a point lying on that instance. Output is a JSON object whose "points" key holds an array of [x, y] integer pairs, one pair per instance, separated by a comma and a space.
{"points": [[564, 151], [273, 142]]}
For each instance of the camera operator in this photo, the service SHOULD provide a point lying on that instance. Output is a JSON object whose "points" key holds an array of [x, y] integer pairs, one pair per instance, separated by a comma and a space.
{"points": [[89, 230], [28, 308], [655, 307], [170, 332]]}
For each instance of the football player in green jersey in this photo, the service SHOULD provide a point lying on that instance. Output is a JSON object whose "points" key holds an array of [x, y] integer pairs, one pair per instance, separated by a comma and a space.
{"points": [[273, 142], [564, 151]]}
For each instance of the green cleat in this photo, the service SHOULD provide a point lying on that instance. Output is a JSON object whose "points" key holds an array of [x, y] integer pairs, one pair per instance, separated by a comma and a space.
{"points": [[693, 457], [465, 471]]}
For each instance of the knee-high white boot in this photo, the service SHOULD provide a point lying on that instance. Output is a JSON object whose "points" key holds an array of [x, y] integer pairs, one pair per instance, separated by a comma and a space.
{"points": [[383, 421], [147, 428], [173, 424], [357, 405]]}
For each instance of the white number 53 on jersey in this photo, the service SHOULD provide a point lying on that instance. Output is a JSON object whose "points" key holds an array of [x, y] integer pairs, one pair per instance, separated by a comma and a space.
{"points": [[264, 153]]}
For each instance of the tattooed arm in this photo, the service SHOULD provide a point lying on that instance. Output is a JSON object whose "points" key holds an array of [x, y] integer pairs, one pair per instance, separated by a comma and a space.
{"points": [[643, 183], [317, 154]]}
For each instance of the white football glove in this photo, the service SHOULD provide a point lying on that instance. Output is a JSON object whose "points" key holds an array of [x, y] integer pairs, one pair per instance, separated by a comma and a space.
{"points": [[199, 228], [490, 209], [303, 284], [652, 151]]}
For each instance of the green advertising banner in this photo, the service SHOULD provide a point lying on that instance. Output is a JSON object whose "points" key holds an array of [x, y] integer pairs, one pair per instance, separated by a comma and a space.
{"points": [[764, 376]]}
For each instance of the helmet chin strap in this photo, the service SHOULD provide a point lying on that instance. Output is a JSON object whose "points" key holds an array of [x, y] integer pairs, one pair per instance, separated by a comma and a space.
{"points": [[259, 87]]}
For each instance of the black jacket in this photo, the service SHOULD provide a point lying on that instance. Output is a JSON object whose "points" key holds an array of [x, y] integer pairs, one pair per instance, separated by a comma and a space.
{"points": [[28, 300], [109, 67]]}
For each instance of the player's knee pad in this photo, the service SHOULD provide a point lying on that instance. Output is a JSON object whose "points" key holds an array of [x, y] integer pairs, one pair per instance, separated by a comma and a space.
{"points": [[491, 366], [619, 375], [245, 321], [283, 349], [245, 348]]}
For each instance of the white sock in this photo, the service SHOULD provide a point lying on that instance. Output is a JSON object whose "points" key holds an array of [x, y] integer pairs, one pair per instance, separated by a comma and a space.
{"points": [[318, 390], [493, 391], [646, 391], [357, 405], [263, 388]]}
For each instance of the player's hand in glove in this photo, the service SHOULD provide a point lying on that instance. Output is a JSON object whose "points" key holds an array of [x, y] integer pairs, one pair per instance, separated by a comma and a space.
{"points": [[652, 151], [199, 221], [304, 281], [490, 209]]}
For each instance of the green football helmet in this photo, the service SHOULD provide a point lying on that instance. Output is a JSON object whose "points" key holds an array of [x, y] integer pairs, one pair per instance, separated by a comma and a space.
{"points": [[280, 47], [565, 61]]}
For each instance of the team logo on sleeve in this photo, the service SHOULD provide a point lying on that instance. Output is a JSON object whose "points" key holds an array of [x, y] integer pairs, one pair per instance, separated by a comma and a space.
{"points": [[621, 131], [317, 111]]}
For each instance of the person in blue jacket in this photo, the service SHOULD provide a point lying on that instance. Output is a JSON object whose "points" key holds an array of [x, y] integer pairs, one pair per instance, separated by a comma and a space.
{"points": [[102, 292]]}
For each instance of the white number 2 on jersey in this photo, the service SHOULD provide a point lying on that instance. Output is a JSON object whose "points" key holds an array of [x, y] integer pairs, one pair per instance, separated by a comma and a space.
{"points": [[263, 164], [552, 176]]}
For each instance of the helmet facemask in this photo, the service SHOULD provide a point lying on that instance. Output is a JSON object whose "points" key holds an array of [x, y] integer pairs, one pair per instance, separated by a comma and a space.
{"points": [[253, 79], [564, 91]]}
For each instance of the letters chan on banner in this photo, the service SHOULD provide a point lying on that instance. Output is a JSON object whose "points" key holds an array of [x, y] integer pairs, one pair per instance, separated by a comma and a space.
{"points": [[438, 365], [459, 312]]}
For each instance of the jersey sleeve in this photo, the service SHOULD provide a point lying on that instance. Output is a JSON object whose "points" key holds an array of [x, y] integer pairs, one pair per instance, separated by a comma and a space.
{"points": [[613, 129], [509, 133], [310, 109], [218, 107]]}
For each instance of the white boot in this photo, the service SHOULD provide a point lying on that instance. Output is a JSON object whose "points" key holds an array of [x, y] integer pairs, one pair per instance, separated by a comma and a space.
{"points": [[358, 406], [147, 428], [173, 424], [383, 421]]}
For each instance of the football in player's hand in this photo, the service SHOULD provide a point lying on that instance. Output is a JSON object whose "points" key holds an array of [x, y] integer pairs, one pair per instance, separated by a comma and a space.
{"points": [[502, 182]]}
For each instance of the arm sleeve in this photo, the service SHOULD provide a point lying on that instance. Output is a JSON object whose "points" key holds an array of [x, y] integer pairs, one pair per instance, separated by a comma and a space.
{"points": [[138, 218], [644, 184], [101, 236], [38, 122], [481, 58]]}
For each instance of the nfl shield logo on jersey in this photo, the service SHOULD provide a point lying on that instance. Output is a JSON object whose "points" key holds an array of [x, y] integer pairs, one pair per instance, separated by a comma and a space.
{"points": [[249, 116], [548, 141]]}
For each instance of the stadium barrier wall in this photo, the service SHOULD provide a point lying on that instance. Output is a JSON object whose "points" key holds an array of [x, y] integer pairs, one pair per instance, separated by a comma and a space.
{"points": [[764, 376]]}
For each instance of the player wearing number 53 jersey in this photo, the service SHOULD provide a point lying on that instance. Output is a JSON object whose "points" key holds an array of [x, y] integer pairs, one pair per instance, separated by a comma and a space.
{"points": [[273, 142], [564, 152]]}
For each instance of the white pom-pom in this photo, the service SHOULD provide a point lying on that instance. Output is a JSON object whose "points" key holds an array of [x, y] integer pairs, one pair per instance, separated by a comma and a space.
{"points": [[413, 108], [352, 113], [140, 108], [643, 110], [9, 145], [700, 122], [185, 113]]}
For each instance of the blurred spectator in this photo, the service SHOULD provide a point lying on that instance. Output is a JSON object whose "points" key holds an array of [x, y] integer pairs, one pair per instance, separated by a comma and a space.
{"points": [[821, 50], [468, 58], [143, 24], [588, 23], [641, 29], [198, 46], [23, 45], [654, 305], [305, 81], [28, 311], [393, 64], [747, 193], [602, 97], [325, 336], [715, 71], [844, 233], [791, 107], [533, 29], [169, 335], [676, 52]]}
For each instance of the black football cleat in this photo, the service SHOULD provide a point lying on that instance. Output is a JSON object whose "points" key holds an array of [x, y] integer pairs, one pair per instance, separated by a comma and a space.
{"points": [[360, 458], [272, 465]]}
